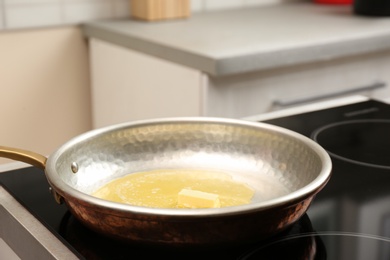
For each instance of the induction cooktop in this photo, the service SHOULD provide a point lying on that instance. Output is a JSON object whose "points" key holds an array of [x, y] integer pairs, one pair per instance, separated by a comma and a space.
{"points": [[348, 219]]}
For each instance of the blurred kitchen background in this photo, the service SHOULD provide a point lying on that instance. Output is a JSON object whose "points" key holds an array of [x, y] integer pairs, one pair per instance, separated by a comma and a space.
{"points": [[61, 74]]}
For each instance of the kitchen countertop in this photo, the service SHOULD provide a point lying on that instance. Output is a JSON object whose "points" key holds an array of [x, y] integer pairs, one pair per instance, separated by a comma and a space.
{"points": [[244, 40]]}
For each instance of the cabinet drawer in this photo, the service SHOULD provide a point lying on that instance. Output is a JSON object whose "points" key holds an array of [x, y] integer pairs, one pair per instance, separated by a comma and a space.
{"points": [[261, 92]]}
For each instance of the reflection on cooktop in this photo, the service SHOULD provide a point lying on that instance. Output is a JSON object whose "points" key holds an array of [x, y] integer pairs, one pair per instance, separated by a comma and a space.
{"points": [[94, 246], [321, 246], [364, 142], [299, 244]]}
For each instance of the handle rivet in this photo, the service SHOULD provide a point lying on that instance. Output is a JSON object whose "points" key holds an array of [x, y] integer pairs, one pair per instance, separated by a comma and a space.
{"points": [[75, 167]]}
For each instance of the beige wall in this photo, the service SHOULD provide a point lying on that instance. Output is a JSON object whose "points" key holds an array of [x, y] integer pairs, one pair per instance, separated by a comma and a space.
{"points": [[44, 88]]}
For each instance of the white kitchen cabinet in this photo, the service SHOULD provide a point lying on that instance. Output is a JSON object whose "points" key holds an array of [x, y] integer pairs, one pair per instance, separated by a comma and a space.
{"points": [[129, 85], [265, 91]]}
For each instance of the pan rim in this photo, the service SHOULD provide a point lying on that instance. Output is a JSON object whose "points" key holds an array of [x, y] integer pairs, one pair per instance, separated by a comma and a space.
{"points": [[308, 190]]}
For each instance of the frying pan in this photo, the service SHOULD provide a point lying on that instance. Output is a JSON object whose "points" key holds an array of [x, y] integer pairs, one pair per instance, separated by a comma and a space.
{"points": [[286, 170]]}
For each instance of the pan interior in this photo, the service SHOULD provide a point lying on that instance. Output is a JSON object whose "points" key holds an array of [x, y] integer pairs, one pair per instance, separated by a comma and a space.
{"points": [[274, 163]]}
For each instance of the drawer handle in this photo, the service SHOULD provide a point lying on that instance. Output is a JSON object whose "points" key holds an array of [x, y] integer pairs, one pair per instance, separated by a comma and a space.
{"points": [[287, 103]]}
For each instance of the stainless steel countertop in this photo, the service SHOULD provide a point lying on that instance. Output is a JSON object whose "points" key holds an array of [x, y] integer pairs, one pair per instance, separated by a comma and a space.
{"points": [[243, 40]]}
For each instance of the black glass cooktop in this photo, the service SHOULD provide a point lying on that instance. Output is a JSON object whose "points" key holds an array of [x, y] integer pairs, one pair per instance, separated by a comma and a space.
{"points": [[348, 219]]}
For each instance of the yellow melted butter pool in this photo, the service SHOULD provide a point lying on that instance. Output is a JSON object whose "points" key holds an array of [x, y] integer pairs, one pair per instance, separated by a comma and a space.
{"points": [[160, 188]]}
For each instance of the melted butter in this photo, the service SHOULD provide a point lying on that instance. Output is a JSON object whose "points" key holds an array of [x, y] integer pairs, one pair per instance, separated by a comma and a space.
{"points": [[160, 188]]}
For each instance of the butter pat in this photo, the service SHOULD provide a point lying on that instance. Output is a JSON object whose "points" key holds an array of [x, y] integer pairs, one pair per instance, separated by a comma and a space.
{"points": [[197, 199]]}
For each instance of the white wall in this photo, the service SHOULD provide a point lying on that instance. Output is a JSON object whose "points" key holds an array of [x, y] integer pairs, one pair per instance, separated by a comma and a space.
{"points": [[211, 5], [17, 14]]}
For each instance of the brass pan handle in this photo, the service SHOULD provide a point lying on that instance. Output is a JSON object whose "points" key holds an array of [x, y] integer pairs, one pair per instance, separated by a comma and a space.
{"points": [[32, 158], [29, 157]]}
